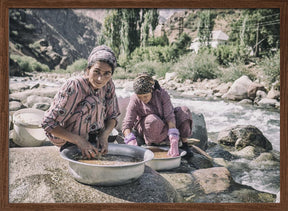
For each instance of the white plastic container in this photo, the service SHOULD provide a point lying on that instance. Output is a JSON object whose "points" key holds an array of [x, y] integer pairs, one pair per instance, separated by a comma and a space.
{"points": [[27, 128]]}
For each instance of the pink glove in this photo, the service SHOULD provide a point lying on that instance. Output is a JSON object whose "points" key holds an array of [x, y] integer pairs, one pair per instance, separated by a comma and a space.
{"points": [[130, 139], [173, 134]]}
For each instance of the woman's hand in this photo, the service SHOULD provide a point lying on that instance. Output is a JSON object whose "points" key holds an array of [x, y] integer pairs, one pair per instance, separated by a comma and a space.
{"points": [[173, 134], [130, 139], [87, 149], [102, 141]]}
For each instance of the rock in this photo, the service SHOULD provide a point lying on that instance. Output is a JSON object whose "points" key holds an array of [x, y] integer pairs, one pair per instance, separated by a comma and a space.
{"points": [[222, 89], [245, 101], [199, 130], [259, 96], [244, 135], [273, 94], [200, 161], [170, 76], [268, 103], [35, 99], [43, 92], [18, 87], [220, 162], [217, 151], [253, 88], [239, 89], [266, 159], [248, 152], [47, 180], [212, 180], [41, 106], [35, 86], [214, 185], [15, 105]]}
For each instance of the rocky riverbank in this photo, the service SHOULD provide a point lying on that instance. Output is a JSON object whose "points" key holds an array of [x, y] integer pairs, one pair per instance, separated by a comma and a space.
{"points": [[39, 174]]}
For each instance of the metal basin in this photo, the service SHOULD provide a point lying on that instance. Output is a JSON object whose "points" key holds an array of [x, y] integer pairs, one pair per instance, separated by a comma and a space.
{"points": [[108, 175], [159, 164]]}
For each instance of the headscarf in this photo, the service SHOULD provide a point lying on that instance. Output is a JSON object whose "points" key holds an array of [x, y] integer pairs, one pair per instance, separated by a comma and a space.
{"points": [[143, 84], [104, 54]]}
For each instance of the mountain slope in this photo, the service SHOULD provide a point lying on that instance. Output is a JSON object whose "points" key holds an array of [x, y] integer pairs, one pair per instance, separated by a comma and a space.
{"points": [[55, 37]]}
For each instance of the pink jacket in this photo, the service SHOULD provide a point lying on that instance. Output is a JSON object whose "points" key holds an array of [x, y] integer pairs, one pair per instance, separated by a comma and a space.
{"points": [[80, 109], [160, 104]]}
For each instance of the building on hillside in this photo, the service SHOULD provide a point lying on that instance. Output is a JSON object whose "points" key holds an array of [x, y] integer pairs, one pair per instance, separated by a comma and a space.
{"points": [[218, 38]]}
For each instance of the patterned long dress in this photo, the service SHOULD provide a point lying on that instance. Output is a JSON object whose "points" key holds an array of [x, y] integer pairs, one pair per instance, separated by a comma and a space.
{"points": [[80, 109]]}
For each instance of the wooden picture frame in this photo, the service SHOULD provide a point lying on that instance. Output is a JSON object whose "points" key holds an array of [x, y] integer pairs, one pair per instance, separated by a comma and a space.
{"points": [[237, 4]]}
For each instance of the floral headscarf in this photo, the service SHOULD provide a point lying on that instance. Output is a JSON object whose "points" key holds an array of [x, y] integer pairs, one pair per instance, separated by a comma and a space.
{"points": [[104, 54], [143, 84]]}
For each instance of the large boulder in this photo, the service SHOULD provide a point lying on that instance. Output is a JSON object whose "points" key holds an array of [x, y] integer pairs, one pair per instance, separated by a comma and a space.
{"points": [[40, 175], [239, 89], [253, 88], [214, 185], [199, 130], [241, 136]]}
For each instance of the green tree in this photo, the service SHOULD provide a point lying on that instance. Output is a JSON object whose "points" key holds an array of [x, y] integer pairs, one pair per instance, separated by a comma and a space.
{"points": [[205, 27], [111, 31], [148, 25], [126, 29], [258, 30]]}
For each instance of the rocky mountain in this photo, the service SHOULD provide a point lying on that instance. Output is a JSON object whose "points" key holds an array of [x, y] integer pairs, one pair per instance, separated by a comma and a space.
{"points": [[55, 37]]}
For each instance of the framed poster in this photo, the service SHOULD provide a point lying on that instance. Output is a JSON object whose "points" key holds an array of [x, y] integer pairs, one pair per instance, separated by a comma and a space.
{"points": [[99, 4]]}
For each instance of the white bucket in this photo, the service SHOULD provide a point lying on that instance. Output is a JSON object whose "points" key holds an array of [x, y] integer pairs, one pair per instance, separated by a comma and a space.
{"points": [[27, 127]]}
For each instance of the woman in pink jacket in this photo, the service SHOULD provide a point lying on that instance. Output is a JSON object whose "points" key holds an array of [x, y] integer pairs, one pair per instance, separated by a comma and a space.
{"points": [[151, 116], [85, 109]]}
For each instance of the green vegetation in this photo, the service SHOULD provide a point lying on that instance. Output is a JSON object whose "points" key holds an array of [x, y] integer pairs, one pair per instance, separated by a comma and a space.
{"points": [[29, 64], [271, 68], [197, 66], [235, 71], [152, 67], [252, 48], [78, 66]]}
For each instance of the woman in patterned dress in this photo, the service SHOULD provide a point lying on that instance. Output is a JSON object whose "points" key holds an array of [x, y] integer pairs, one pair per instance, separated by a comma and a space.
{"points": [[151, 116], [85, 109]]}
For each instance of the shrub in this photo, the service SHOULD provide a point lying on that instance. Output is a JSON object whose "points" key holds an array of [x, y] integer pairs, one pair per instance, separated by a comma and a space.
{"points": [[151, 67], [235, 71], [161, 54], [158, 41], [271, 67], [78, 66], [227, 54], [29, 64], [197, 66]]}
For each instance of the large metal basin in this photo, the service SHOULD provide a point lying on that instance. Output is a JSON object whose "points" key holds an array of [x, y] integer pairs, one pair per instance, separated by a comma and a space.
{"points": [[159, 164], [108, 175]]}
